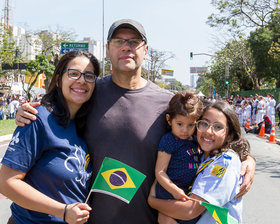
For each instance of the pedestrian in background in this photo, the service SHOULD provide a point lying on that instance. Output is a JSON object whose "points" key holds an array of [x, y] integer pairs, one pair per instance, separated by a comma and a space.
{"points": [[271, 108]]}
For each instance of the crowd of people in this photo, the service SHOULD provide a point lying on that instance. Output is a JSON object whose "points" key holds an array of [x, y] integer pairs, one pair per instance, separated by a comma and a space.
{"points": [[254, 107], [9, 104], [254, 110]]}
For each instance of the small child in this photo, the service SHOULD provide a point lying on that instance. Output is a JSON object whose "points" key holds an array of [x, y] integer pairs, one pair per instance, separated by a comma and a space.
{"points": [[178, 156]]}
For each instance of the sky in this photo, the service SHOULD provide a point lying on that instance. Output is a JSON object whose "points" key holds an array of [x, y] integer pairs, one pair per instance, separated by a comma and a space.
{"points": [[177, 26]]}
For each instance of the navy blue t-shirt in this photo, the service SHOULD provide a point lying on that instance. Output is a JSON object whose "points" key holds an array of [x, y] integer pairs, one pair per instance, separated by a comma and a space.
{"points": [[183, 163], [55, 160], [182, 166]]}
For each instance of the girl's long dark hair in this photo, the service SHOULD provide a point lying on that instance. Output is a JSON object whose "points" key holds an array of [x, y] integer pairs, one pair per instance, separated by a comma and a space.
{"points": [[54, 100]]}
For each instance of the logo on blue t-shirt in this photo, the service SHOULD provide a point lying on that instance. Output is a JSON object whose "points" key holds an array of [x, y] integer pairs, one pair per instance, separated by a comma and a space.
{"points": [[82, 163], [15, 139]]}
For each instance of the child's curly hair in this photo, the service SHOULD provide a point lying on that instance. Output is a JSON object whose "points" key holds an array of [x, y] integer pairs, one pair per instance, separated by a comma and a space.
{"points": [[186, 104]]}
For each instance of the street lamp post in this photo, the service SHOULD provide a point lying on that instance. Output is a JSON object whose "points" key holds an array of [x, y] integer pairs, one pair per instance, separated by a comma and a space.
{"points": [[226, 70], [103, 63]]}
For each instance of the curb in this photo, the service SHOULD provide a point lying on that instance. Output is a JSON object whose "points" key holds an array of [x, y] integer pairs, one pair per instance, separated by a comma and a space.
{"points": [[6, 137]]}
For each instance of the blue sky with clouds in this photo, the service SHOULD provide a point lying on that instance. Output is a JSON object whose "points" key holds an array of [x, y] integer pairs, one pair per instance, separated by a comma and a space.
{"points": [[178, 26]]}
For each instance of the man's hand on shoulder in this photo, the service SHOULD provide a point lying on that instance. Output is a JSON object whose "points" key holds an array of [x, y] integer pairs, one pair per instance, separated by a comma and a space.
{"points": [[248, 171], [26, 113]]}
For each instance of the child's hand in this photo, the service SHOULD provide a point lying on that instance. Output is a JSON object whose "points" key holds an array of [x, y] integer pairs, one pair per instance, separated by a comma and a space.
{"points": [[180, 195]]}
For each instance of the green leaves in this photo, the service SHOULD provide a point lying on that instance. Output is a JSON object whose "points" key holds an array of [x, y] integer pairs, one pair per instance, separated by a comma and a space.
{"points": [[41, 64]]}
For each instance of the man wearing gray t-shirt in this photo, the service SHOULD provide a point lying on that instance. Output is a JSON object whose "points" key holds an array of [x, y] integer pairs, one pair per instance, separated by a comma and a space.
{"points": [[126, 122]]}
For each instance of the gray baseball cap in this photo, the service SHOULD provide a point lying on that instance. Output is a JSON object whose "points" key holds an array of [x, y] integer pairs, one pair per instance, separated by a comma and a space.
{"points": [[127, 23]]}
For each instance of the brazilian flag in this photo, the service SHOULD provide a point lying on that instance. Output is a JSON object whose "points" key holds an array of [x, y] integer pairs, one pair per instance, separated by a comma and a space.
{"points": [[220, 214], [117, 179]]}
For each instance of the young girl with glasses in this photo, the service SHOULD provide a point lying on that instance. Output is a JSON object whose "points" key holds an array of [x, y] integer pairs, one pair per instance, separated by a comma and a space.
{"points": [[218, 177], [178, 156]]}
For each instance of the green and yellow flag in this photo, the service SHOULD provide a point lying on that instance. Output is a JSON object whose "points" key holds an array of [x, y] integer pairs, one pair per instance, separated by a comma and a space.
{"points": [[117, 179], [220, 214]]}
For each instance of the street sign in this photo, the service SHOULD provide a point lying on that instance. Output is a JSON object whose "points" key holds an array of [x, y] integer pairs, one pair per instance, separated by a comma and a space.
{"points": [[170, 80], [167, 72], [198, 69], [70, 46], [20, 66], [65, 50], [74, 45]]}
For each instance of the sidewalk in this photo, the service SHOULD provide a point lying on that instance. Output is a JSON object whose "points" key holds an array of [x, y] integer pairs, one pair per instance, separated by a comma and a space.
{"points": [[5, 138]]}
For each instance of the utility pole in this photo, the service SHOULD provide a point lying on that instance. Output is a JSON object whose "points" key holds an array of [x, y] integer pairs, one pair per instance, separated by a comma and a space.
{"points": [[103, 62], [7, 14], [226, 71], [227, 79]]}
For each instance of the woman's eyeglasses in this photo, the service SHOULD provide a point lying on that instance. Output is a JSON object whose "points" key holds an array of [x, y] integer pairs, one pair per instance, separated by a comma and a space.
{"points": [[217, 128], [76, 74]]}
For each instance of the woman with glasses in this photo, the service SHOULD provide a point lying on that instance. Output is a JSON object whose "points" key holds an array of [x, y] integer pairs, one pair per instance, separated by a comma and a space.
{"points": [[218, 177], [46, 169]]}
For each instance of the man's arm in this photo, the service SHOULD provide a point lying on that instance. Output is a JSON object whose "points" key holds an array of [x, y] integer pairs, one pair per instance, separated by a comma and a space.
{"points": [[26, 113], [248, 171]]}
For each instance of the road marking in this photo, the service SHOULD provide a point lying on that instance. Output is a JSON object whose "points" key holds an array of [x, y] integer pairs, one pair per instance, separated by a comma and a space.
{"points": [[4, 145], [2, 196]]}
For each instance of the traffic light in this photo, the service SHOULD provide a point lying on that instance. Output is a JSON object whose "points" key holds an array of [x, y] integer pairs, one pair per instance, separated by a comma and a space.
{"points": [[191, 55], [227, 80], [17, 53]]}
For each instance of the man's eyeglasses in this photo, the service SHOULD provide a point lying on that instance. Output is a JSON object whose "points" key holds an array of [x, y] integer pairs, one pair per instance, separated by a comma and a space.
{"points": [[76, 74], [217, 128], [133, 43]]}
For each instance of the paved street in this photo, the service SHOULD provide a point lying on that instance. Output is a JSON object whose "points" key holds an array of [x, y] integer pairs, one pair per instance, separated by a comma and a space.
{"points": [[261, 204], [4, 202]]}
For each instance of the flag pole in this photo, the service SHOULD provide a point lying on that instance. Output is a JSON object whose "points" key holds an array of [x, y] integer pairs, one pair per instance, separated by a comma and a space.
{"points": [[88, 197]]}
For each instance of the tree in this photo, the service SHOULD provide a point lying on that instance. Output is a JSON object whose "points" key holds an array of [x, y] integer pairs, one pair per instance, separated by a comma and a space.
{"points": [[176, 87], [236, 14], [155, 62], [108, 67], [264, 43], [7, 44], [7, 55], [242, 73], [50, 41], [260, 42], [36, 67], [205, 84], [242, 76]]}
